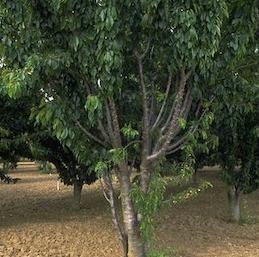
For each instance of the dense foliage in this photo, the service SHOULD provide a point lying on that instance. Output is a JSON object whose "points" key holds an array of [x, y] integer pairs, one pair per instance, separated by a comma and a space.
{"points": [[21, 138]]}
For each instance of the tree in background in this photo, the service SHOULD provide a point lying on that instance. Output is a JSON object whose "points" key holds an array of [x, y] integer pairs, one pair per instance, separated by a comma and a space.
{"points": [[237, 130], [11, 144], [236, 126], [122, 79], [20, 138]]}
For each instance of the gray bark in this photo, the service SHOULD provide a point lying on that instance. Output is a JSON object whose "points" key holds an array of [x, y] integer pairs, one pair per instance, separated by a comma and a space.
{"points": [[77, 194], [136, 246], [114, 209], [145, 169], [234, 204]]}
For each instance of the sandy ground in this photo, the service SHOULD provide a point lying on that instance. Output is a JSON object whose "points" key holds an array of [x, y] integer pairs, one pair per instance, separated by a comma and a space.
{"points": [[36, 220]]}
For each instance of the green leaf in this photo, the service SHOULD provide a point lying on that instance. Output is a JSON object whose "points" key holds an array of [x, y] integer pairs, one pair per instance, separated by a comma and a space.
{"points": [[182, 123], [117, 155]]}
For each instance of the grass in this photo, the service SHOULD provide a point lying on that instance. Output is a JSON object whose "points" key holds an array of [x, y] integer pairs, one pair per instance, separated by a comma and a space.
{"points": [[169, 252]]}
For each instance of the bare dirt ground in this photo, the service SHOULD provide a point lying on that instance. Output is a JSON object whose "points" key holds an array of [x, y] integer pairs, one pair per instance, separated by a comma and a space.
{"points": [[36, 220]]}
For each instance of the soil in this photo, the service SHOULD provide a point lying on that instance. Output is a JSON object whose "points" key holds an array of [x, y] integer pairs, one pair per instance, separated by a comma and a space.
{"points": [[36, 220]]}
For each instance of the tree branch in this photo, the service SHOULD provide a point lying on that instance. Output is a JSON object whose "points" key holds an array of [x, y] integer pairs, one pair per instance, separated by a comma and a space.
{"points": [[175, 150], [142, 56], [164, 102], [115, 123], [184, 139], [171, 112], [100, 124], [151, 109], [90, 135], [145, 133], [131, 143], [187, 104], [198, 110], [179, 142], [114, 210], [184, 110], [165, 140], [103, 132], [109, 123]]}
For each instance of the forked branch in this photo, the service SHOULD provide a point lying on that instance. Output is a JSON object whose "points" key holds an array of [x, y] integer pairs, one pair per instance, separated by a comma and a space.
{"points": [[164, 140]]}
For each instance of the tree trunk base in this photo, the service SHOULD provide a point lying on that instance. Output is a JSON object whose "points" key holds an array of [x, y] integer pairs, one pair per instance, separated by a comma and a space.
{"points": [[77, 195], [234, 204]]}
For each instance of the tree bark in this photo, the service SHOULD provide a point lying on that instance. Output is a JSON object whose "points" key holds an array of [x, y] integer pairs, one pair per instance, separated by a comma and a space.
{"points": [[114, 210], [145, 176], [136, 246], [77, 194], [234, 203]]}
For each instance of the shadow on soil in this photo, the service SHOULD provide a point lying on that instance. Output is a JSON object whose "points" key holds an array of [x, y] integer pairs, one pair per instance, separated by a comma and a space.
{"points": [[30, 202]]}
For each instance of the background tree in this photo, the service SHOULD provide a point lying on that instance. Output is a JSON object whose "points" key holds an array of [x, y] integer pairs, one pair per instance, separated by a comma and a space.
{"points": [[20, 138], [236, 126]]}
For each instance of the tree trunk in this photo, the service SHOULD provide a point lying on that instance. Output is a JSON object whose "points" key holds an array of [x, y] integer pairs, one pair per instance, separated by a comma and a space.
{"points": [[135, 244], [145, 176], [234, 204], [114, 209], [77, 194]]}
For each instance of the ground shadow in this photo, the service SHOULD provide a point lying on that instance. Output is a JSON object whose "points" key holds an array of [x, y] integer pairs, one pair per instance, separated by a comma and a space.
{"points": [[28, 201]]}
